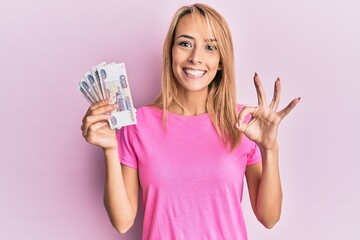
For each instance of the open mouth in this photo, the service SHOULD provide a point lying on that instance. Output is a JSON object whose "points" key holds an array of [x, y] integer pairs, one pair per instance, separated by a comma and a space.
{"points": [[193, 72]]}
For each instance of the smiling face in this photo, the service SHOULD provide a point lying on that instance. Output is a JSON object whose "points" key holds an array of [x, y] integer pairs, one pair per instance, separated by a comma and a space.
{"points": [[195, 58]]}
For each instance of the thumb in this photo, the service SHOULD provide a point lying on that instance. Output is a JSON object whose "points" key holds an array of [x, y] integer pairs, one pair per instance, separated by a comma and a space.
{"points": [[241, 124]]}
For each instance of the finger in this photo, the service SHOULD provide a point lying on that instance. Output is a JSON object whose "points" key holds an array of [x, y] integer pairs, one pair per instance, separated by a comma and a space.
{"points": [[98, 104], [276, 98], [101, 110], [259, 90], [91, 120], [241, 124], [289, 107], [93, 129]]}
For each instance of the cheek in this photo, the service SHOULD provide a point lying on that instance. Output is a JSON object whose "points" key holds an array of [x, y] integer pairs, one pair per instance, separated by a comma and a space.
{"points": [[214, 61], [174, 57], [216, 64], [173, 60], [177, 56], [173, 69]]}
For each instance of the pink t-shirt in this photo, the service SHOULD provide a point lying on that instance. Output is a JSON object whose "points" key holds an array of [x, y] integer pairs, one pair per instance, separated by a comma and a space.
{"points": [[192, 184]]}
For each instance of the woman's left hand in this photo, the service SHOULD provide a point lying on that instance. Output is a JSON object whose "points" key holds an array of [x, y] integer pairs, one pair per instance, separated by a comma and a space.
{"points": [[264, 124]]}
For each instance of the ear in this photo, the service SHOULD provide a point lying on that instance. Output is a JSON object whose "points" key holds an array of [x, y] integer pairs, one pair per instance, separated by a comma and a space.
{"points": [[220, 66]]}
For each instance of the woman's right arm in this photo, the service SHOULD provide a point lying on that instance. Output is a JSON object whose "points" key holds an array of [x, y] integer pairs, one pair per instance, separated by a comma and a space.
{"points": [[121, 182]]}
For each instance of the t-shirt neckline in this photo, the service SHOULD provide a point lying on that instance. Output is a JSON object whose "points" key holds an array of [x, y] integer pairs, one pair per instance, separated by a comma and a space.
{"points": [[197, 119]]}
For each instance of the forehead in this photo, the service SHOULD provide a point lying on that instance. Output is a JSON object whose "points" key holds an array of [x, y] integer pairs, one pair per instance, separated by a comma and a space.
{"points": [[195, 26]]}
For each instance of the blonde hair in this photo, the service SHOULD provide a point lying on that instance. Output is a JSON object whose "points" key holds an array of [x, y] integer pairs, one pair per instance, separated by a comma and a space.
{"points": [[221, 100]]}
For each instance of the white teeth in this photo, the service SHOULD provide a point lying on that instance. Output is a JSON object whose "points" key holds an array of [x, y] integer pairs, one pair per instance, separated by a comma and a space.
{"points": [[194, 73]]}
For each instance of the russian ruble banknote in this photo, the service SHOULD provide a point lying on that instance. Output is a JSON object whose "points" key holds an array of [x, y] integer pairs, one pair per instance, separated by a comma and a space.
{"points": [[109, 81]]}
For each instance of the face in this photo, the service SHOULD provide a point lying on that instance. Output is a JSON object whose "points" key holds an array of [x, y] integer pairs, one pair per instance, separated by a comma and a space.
{"points": [[195, 58]]}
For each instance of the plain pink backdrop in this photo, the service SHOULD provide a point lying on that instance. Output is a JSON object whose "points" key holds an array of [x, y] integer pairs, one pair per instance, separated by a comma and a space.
{"points": [[51, 180]]}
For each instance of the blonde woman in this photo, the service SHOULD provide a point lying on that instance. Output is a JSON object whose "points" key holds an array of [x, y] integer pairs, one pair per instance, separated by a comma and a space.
{"points": [[192, 148]]}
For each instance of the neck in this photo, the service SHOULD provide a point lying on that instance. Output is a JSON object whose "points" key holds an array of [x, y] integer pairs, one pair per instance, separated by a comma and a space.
{"points": [[193, 103]]}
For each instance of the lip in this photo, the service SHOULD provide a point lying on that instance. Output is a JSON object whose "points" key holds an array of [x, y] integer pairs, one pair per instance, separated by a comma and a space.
{"points": [[186, 70]]}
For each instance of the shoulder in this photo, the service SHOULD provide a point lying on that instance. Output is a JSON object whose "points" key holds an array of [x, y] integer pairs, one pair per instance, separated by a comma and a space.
{"points": [[146, 116], [145, 112], [148, 123]]}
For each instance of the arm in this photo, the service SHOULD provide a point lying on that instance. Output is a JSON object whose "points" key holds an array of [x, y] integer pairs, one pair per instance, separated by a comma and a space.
{"points": [[263, 178], [121, 182], [120, 192], [264, 186]]}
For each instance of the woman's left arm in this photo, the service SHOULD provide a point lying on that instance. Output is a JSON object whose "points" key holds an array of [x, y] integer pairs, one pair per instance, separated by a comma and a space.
{"points": [[263, 178]]}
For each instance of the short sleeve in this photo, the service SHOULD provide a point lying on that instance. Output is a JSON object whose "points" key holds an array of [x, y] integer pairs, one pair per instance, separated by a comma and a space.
{"points": [[127, 154], [255, 155]]}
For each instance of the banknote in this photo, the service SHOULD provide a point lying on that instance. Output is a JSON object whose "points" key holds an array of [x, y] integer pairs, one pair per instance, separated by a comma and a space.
{"points": [[122, 118], [109, 81], [117, 90], [85, 85], [93, 84], [102, 77], [86, 95], [95, 74]]}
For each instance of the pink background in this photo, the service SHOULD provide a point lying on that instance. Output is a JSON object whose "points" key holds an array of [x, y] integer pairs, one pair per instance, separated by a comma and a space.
{"points": [[51, 180]]}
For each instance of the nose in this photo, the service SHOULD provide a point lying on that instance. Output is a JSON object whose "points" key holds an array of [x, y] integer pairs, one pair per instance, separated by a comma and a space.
{"points": [[195, 56]]}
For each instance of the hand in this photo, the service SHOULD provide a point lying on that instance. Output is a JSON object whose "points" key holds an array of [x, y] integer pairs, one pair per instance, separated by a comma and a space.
{"points": [[95, 128], [264, 124]]}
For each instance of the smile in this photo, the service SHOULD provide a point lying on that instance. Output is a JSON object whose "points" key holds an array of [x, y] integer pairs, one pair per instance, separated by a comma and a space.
{"points": [[194, 73]]}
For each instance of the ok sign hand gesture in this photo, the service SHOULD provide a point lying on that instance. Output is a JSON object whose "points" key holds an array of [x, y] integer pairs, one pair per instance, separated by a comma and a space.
{"points": [[264, 124]]}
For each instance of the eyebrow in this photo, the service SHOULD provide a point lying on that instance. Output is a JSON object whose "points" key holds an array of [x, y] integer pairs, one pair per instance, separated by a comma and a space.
{"points": [[192, 38]]}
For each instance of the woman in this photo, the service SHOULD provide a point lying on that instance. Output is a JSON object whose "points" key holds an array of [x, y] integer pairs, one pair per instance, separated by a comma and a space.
{"points": [[191, 149]]}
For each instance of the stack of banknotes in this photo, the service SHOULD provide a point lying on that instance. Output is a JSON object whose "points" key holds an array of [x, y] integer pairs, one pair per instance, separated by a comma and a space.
{"points": [[109, 81]]}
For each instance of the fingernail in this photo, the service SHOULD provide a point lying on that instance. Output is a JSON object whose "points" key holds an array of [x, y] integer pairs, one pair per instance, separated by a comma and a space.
{"points": [[256, 74], [299, 98]]}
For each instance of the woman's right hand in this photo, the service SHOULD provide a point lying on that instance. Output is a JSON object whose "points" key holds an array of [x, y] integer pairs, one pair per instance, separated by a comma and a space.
{"points": [[95, 127]]}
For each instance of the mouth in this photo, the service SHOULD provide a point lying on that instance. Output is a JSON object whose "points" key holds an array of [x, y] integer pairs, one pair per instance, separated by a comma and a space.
{"points": [[194, 72]]}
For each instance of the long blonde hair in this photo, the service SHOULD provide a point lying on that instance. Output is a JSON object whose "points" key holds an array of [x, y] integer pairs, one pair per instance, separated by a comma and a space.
{"points": [[221, 100]]}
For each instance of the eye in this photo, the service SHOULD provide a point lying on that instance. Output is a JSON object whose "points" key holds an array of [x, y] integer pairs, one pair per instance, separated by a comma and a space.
{"points": [[185, 44], [211, 48]]}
